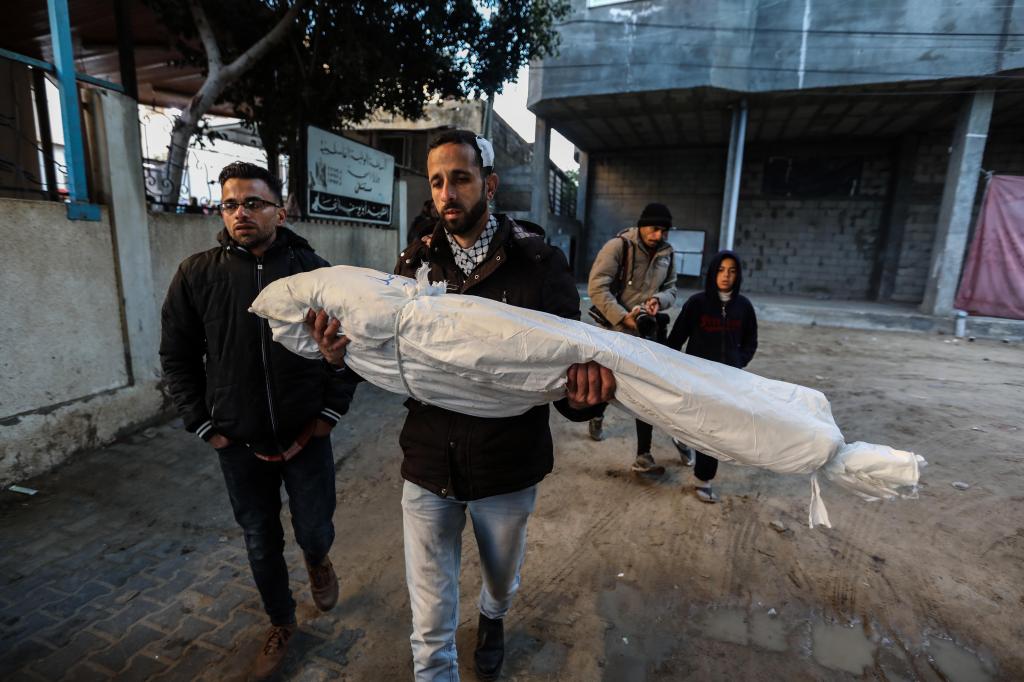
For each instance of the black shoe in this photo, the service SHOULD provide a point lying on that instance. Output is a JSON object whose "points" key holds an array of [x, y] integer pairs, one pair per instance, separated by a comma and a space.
{"points": [[490, 648]]}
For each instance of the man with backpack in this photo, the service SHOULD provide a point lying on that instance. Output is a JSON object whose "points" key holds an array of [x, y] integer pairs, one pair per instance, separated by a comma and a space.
{"points": [[632, 281]]}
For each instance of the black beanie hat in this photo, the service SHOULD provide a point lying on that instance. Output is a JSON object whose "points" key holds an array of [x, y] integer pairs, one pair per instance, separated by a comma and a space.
{"points": [[655, 214]]}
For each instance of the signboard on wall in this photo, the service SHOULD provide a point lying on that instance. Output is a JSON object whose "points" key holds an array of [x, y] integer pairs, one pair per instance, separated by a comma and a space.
{"points": [[688, 251], [348, 180]]}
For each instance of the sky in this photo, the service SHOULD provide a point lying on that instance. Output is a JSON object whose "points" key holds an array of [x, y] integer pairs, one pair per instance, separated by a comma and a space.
{"points": [[511, 106]]}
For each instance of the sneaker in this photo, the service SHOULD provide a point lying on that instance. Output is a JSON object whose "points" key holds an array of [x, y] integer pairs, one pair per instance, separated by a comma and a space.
{"points": [[704, 493], [644, 464], [271, 657], [323, 584], [490, 648], [596, 425], [686, 453]]}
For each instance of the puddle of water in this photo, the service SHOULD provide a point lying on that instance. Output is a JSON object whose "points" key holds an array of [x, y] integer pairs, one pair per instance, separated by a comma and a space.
{"points": [[623, 667], [842, 648], [767, 632], [549, 660], [726, 625], [957, 664]]}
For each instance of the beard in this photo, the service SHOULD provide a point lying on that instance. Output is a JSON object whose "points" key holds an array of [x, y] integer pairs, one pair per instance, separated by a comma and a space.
{"points": [[468, 220]]}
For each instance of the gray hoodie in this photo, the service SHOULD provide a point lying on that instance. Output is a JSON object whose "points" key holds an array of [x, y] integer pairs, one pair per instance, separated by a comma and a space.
{"points": [[646, 276]]}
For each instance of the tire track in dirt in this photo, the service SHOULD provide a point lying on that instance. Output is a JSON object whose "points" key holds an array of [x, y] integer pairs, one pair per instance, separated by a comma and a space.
{"points": [[546, 583], [739, 558], [851, 563]]}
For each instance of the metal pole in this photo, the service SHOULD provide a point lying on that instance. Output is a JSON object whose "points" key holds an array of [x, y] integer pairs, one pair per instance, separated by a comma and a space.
{"points": [[74, 148], [45, 137], [734, 170]]}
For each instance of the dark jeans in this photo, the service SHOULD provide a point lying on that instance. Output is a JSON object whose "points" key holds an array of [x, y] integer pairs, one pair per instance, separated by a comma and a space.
{"points": [[254, 487], [705, 467], [643, 437]]}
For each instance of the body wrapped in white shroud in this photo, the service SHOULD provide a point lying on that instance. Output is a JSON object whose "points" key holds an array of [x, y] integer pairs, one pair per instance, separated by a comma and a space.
{"points": [[489, 359]]}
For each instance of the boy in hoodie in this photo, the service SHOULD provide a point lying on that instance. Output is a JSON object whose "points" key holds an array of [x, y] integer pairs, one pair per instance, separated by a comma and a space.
{"points": [[720, 325]]}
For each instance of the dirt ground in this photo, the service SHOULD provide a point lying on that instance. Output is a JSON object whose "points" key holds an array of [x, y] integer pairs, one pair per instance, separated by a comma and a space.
{"points": [[625, 579], [628, 579]]}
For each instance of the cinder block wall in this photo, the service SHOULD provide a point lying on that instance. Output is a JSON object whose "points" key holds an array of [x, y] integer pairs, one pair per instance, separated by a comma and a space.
{"points": [[824, 246], [688, 181], [811, 246], [1004, 154]]}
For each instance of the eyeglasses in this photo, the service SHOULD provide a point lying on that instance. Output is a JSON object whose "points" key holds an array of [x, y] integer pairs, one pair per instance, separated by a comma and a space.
{"points": [[251, 204]]}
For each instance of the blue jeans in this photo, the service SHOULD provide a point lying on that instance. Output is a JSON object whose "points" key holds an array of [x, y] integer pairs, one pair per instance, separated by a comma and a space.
{"points": [[433, 556], [254, 487]]}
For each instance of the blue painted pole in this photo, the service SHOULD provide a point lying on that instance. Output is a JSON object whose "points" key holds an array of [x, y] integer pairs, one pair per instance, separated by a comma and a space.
{"points": [[74, 148]]}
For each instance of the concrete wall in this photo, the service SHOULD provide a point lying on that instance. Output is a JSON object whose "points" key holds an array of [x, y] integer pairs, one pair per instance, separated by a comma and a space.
{"points": [[767, 45], [63, 354], [827, 246], [62, 329], [811, 246], [688, 181], [1004, 154], [64, 347], [175, 237]]}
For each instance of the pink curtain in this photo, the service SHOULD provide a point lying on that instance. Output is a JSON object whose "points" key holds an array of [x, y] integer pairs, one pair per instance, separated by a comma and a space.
{"points": [[993, 279]]}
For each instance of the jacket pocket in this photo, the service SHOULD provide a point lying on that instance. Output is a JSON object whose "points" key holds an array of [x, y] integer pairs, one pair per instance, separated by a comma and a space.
{"points": [[224, 412]]}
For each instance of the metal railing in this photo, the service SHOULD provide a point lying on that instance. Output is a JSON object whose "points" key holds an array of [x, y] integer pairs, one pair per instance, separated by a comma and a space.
{"points": [[561, 192]]}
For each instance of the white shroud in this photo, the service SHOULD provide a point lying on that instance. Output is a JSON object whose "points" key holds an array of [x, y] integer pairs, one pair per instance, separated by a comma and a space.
{"points": [[489, 359]]}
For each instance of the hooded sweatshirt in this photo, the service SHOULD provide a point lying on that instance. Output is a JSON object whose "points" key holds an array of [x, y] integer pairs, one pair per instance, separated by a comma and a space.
{"points": [[718, 330]]}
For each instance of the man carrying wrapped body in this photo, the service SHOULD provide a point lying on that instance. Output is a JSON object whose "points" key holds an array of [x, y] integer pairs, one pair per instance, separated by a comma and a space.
{"points": [[485, 358]]}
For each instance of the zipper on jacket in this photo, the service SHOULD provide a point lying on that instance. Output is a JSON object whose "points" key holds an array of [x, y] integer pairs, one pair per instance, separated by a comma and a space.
{"points": [[263, 353], [724, 329]]}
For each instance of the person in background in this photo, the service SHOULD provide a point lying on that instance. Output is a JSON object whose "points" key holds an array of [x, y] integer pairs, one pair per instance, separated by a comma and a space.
{"points": [[632, 283], [266, 411], [716, 324]]}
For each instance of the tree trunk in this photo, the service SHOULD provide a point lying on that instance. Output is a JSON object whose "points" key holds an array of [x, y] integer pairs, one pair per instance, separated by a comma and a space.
{"points": [[218, 77], [177, 156]]}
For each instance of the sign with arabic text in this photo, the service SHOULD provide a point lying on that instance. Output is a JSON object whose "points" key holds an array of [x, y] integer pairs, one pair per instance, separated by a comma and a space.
{"points": [[348, 180]]}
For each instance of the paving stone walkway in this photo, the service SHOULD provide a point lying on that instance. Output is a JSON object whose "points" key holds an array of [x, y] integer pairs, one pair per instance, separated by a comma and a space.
{"points": [[127, 565]]}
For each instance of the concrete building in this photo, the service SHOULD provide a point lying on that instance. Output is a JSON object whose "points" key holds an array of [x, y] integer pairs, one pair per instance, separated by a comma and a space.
{"points": [[840, 147], [408, 140]]}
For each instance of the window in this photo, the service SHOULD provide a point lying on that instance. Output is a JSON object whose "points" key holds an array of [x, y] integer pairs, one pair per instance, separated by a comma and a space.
{"points": [[396, 146], [812, 177]]}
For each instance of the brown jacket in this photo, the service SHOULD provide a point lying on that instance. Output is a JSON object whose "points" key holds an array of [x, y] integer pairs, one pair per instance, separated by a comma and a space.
{"points": [[474, 457], [647, 275]]}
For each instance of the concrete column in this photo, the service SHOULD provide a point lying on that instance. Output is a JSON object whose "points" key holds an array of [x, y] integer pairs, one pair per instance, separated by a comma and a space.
{"points": [[582, 266], [962, 177], [119, 152], [890, 243], [403, 212], [733, 170], [540, 203]]}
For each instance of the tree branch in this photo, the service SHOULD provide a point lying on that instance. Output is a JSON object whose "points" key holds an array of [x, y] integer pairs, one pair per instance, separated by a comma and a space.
{"points": [[210, 46], [263, 45]]}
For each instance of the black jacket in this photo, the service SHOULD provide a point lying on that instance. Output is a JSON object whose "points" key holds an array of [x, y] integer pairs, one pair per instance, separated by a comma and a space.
{"points": [[473, 457], [222, 369], [723, 332]]}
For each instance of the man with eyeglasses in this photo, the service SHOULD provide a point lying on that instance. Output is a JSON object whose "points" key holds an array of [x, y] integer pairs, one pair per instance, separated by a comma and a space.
{"points": [[266, 411], [632, 281]]}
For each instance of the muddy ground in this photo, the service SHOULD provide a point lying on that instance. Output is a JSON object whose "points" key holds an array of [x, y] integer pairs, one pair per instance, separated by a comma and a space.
{"points": [[628, 579], [624, 579]]}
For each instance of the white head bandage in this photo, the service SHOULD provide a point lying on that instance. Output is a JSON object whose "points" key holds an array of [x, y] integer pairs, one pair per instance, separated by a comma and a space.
{"points": [[486, 151]]}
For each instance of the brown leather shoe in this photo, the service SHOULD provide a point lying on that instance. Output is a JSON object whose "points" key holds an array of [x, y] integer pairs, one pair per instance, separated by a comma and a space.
{"points": [[324, 584], [271, 656]]}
